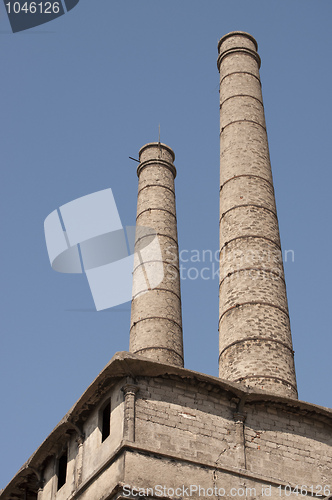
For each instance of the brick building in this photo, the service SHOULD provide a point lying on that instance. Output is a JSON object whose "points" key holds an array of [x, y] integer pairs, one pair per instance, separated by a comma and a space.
{"points": [[147, 426]]}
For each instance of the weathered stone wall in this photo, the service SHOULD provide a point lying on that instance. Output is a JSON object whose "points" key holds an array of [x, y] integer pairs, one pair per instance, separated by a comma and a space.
{"points": [[172, 416], [288, 445], [191, 436], [184, 433], [212, 444], [255, 340], [156, 319]]}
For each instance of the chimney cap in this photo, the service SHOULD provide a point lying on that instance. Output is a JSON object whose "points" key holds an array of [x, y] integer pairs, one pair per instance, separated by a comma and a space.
{"points": [[157, 144], [237, 33]]}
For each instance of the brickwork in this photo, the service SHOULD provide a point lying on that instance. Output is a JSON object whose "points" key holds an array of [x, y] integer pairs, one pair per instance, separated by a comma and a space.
{"points": [[246, 152], [285, 443], [260, 253], [172, 416], [156, 319], [180, 429], [255, 345], [268, 445]]}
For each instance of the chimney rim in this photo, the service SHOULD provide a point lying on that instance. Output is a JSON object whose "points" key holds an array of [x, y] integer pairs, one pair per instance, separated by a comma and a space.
{"points": [[157, 144], [237, 33]]}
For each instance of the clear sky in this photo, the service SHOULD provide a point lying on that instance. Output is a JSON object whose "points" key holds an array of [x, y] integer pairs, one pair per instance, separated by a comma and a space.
{"points": [[81, 94]]}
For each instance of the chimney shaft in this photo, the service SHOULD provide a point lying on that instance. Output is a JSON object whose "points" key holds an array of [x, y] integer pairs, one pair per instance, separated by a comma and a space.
{"points": [[255, 344], [156, 320]]}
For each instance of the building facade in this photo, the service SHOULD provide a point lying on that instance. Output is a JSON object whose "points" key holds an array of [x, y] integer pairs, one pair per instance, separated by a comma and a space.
{"points": [[149, 428]]}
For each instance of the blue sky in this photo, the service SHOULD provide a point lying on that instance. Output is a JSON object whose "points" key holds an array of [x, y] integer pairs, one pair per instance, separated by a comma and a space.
{"points": [[81, 94]]}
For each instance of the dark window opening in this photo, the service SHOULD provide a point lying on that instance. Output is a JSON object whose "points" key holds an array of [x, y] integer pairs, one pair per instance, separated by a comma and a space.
{"points": [[106, 420], [62, 470]]}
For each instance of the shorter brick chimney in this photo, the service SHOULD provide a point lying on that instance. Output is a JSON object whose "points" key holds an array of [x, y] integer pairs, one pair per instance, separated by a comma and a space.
{"points": [[156, 319]]}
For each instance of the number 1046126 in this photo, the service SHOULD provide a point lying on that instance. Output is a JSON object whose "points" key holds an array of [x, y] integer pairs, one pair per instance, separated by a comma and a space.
{"points": [[315, 491], [33, 8]]}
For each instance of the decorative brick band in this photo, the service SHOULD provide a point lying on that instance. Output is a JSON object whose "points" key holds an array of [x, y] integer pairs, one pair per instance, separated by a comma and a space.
{"points": [[160, 209], [156, 317], [240, 379], [268, 271], [240, 95], [265, 339], [253, 304], [153, 163], [248, 205], [242, 121], [156, 185], [159, 290], [158, 234], [240, 73], [162, 348], [150, 261], [237, 50], [249, 236], [247, 175]]}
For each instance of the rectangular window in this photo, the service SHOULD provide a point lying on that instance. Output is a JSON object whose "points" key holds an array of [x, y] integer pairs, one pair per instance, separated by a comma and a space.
{"points": [[106, 421], [62, 469]]}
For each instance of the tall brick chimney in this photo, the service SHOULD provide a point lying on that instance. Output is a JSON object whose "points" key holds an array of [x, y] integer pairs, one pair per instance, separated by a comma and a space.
{"points": [[156, 319], [255, 343]]}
